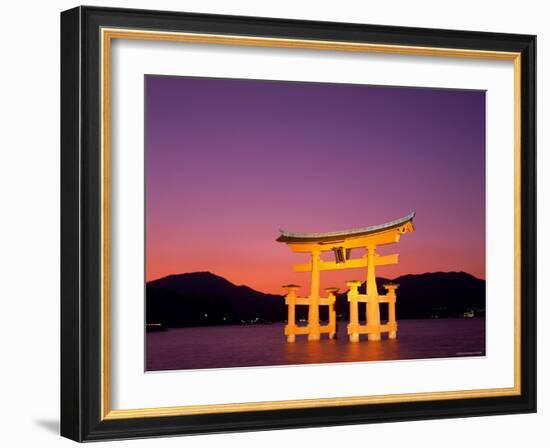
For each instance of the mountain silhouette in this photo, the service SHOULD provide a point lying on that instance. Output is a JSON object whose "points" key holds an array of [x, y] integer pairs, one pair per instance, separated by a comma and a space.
{"points": [[430, 295], [203, 298]]}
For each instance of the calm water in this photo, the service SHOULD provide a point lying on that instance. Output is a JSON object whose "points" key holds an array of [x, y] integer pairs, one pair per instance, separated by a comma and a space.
{"points": [[265, 345]]}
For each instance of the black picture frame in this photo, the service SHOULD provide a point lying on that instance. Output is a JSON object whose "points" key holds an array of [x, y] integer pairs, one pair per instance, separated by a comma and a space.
{"points": [[81, 381]]}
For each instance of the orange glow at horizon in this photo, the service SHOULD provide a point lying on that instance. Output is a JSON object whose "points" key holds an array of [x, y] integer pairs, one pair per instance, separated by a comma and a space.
{"points": [[270, 273]]}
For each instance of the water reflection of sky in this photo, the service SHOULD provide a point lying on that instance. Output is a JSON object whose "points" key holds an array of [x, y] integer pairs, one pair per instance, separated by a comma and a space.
{"points": [[265, 345]]}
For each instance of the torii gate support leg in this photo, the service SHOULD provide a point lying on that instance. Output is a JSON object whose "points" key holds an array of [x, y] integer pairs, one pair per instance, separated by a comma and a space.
{"points": [[290, 329], [331, 295], [353, 296], [392, 321]]}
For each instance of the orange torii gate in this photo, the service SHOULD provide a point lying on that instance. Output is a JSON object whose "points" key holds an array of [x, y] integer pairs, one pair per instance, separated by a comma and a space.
{"points": [[341, 243]]}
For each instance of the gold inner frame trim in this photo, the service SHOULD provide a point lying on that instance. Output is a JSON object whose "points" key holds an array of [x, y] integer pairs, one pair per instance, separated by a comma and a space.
{"points": [[107, 35]]}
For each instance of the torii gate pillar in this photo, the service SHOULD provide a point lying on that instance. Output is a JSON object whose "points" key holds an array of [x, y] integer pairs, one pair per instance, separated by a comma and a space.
{"points": [[373, 304], [313, 312]]}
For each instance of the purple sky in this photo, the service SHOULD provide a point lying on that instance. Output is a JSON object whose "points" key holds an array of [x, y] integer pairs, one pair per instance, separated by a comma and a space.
{"points": [[229, 162]]}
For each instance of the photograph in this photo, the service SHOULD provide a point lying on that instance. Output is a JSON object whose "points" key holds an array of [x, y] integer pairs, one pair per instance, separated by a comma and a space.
{"points": [[296, 223]]}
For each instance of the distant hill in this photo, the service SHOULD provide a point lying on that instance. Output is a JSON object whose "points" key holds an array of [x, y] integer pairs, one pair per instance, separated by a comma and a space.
{"points": [[433, 294], [203, 298]]}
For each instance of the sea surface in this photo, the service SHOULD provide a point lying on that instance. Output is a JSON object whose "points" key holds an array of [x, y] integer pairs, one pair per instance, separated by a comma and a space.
{"points": [[265, 345]]}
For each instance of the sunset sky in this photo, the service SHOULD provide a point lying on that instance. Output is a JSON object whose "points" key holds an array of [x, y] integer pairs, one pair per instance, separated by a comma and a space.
{"points": [[230, 162]]}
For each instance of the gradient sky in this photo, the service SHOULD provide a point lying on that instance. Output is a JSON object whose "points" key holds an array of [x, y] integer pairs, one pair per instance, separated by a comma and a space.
{"points": [[229, 162]]}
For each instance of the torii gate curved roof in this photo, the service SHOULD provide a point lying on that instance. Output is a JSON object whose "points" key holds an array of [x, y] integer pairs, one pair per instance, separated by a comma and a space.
{"points": [[304, 237]]}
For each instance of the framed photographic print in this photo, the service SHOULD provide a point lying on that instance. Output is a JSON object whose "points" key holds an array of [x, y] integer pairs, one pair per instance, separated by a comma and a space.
{"points": [[273, 223]]}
